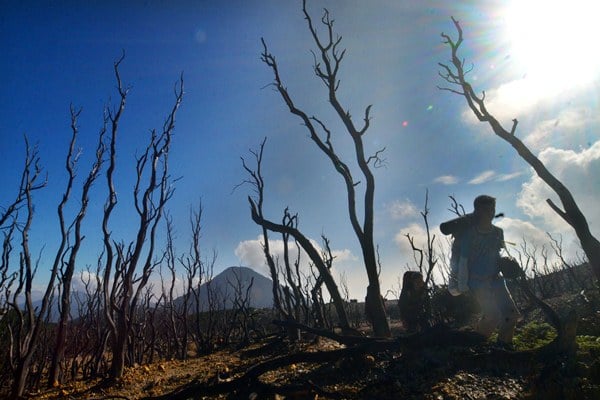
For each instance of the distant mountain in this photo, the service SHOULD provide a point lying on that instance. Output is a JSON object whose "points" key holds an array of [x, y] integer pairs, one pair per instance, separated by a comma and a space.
{"points": [[54, 308], [225, 284]]}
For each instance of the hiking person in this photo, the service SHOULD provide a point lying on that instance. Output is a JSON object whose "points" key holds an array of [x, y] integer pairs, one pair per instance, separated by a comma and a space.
{"points": [[475, 269]]}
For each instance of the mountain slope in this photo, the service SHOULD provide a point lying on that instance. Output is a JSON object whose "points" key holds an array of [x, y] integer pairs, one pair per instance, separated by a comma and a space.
{"points": [[224, 287]]}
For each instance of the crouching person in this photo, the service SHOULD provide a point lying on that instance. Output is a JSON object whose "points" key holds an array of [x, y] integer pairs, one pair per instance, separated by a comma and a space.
{"points": [[414, 302]]}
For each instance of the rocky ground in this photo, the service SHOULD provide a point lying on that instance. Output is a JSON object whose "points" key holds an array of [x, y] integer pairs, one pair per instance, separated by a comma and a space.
{"points": [[478, 371]]}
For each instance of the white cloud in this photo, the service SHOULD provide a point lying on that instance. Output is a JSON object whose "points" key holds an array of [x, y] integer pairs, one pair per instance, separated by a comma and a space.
{"points": [[82, 278], [415, 230], [523, 234], [517, 99], [344, 255], [402, 209], [508, 177], [519, 235], [539, 137], [483, 177], [580, 172], [419, 236], [446, 180], [516, 231], [250, 253], [514, 98], [570, 124]]}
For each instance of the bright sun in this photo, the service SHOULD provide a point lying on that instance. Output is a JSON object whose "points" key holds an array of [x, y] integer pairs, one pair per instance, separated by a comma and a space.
{"points": [[557, 42]]}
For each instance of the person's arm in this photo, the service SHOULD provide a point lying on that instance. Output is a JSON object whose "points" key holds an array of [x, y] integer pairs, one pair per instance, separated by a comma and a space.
{"points": [[502, 244], [456, 225]]}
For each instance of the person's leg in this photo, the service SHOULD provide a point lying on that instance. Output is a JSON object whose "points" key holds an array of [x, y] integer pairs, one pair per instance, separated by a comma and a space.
{"points": [[508, 312], [489, 311]]}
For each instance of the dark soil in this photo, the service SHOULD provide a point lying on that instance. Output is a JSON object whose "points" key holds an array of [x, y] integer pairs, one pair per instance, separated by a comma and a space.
{"points": [[478, 371]]}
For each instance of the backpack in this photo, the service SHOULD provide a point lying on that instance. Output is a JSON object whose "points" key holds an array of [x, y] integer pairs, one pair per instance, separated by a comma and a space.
{"points": [[459, 268]]}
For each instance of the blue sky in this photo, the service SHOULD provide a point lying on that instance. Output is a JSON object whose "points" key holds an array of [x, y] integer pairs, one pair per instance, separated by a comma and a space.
{"points": [[59, 53]]}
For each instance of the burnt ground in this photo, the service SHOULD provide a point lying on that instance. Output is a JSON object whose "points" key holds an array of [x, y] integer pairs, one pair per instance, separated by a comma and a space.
{"points": [[445, 371]]}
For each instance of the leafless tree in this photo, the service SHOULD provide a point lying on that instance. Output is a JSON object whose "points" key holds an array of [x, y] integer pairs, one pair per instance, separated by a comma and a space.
{"points": [[67, 267], [140, 346], [328, 59], [194, 274], [426, 259], [122, 286], [318, 307], [29, 321], [455, 207], [289, 227], [173, 310], [456, 75], [443, 259], [291, 291], [355, 312], [575, 281], [240, 305], [192, 264], [30, 181], [204, 300], [91, 326], [7, 277], [414, 301], [257, 182], [533, 260], [153, 321]]}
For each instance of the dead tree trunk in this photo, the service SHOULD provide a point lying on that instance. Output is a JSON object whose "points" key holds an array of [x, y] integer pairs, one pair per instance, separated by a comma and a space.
{"points": [[192, 263], [25, 336], [314, 256], [326, 69], [571, 214], [69, 268], [290, 230], [259, 185], [174, 310], [122, 286]]}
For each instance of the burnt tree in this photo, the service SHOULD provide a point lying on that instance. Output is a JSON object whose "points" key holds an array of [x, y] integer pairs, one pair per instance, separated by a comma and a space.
{"points": [[67, 268], [289, 227], [25, 332], [328, 59], [128, 267], [258, 183], [192, 265]]}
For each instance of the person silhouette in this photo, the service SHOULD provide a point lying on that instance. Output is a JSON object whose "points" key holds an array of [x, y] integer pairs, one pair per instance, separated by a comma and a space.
{"points": [[475, 269]]}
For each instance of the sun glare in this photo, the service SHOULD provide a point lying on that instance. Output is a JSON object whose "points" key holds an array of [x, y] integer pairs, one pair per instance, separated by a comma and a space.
{"points": [[555, 42]]}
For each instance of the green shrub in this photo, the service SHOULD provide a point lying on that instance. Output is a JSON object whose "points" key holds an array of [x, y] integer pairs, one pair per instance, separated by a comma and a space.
{"points": [[589, 344], [534, 335]]}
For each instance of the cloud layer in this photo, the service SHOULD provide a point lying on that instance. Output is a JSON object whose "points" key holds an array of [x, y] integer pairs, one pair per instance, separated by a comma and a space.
{"points": [[580, 172]]}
